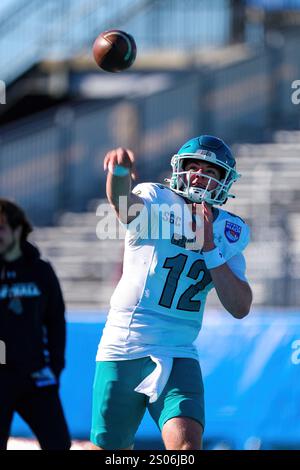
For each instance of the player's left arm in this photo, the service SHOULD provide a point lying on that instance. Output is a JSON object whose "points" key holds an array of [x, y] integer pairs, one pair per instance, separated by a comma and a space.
{"points": [[235, 294]]}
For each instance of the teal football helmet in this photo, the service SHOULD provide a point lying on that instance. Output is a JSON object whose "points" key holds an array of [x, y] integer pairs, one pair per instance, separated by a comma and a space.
{"points": [[209, 149]]}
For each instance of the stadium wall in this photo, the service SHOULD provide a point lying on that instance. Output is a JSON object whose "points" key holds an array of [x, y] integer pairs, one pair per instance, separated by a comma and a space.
{"points": [[255, 362]]}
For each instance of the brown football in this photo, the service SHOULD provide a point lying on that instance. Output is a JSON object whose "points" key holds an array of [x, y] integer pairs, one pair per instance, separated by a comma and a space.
{"points": [[114, 50]]}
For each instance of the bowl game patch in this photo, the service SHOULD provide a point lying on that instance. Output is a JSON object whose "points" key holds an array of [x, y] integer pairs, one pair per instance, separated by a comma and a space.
{"points": [[232, 231]]}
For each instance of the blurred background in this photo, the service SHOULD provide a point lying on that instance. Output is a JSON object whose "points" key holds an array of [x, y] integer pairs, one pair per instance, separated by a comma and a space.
{"points": [[223, 67]]}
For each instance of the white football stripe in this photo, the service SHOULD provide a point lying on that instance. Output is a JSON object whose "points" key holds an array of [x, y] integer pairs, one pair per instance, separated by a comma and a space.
{"points": [[124, 36]]}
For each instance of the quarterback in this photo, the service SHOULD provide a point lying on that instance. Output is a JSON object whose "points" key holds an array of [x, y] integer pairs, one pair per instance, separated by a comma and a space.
{"points": [[146, 357]]}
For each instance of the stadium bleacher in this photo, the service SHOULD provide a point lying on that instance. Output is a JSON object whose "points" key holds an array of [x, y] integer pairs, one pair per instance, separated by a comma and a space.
{"points": [[267, 197], [87, 267]]}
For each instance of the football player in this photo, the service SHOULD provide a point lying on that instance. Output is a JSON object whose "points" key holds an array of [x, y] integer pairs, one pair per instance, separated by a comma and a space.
{"points": [[146, 357]]}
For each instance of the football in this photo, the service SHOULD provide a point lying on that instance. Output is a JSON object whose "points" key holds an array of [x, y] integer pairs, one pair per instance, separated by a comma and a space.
{"points": [[114, 50]]}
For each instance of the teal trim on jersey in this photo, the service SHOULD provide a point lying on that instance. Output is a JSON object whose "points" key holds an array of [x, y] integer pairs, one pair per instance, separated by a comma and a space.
{"points": [[118, 410]]}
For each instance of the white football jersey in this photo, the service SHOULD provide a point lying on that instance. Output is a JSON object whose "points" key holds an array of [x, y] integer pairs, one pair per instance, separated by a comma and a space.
{"points": [[157, 306]]}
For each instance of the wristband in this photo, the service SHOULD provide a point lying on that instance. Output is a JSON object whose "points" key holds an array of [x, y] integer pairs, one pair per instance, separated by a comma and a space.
{"points": [[118, 170], [213, 258]]}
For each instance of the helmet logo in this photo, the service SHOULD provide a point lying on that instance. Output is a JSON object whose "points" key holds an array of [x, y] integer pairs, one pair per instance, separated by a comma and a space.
{"points": [[206, 153]]}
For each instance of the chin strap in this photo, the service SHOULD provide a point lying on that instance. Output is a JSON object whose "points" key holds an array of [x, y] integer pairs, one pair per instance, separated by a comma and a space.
{"points": [[232, 196]]}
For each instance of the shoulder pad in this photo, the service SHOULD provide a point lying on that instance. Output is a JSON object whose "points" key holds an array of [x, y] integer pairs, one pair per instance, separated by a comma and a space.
{"points": [[149, 190]]}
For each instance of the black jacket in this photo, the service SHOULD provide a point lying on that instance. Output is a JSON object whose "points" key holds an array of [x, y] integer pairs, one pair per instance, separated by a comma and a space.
{"points": [[32, 313]]}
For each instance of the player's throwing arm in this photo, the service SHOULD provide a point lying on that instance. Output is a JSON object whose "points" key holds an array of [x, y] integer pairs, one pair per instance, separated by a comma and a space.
{"points": [[121, 168]]}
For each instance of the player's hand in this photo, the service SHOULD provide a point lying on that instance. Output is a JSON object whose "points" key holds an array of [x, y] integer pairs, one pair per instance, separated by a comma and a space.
{"points": [[120, 156], [208, 219]]}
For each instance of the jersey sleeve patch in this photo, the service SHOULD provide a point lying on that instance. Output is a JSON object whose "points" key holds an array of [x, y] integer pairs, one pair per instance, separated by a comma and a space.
{"points": [[231, 235], [232, 231]]}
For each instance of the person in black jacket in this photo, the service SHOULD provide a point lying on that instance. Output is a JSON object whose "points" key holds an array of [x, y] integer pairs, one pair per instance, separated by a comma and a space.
{"points": [[32, 328]]}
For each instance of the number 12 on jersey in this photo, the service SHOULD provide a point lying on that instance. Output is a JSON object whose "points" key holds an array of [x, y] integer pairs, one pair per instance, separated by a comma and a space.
{"points": [[176, 265]]}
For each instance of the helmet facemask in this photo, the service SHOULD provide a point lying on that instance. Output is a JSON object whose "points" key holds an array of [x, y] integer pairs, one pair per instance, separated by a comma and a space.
{"points": [[180, 180]]}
